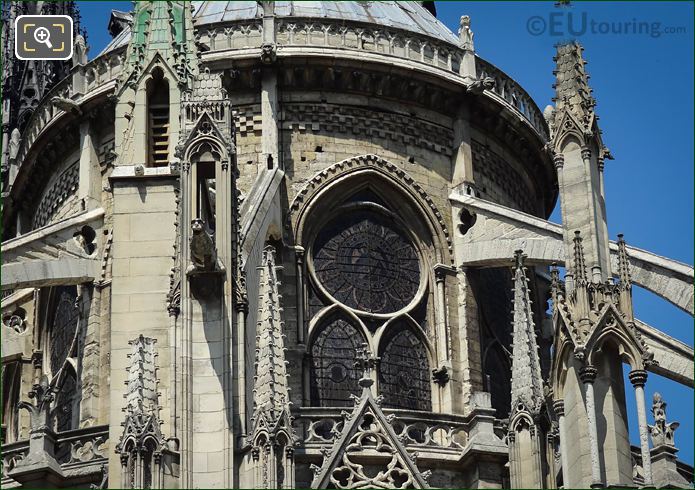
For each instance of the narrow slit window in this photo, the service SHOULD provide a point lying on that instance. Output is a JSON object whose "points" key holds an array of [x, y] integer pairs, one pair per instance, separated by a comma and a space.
{"points": [[206, 192]]}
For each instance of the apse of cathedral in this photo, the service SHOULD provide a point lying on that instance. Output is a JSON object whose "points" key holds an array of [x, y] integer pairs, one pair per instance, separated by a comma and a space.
{"points": [[287, 244]]}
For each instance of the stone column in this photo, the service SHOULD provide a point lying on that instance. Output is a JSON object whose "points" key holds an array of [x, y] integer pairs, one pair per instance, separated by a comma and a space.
{"points": [[299, 254], [638, 378], [559, 161], [559, 407], [442, 327], [588, 376], [462, 160], [469, 368], [597, 274]]}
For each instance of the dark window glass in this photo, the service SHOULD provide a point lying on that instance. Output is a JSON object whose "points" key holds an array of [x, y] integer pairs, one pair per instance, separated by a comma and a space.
{"points": [[404, 372], [333, 374], [364, 262]]}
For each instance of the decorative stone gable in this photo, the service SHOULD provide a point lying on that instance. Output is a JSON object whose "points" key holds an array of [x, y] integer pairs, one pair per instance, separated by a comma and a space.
{"points": [[368, 438]]}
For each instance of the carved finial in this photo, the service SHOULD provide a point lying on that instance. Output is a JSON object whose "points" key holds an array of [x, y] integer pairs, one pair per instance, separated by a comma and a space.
{"points": [[366, 361], [465, 33], [42, 395], [662, 432], [579, 264], [555, 282], [623, 263]]}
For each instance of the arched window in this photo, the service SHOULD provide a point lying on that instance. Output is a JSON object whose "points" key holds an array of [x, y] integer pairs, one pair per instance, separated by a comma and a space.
{"points": [[205, 191], [367, 258], [158, 120], [333, 374], [404, 374], [62, 324]]}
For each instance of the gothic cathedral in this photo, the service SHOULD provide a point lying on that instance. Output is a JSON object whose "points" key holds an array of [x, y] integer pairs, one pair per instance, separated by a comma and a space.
{"points": [[306, 244]]}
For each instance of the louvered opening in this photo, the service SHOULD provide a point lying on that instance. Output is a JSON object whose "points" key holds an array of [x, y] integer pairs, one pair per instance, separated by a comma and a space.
{"points": [[158, 121]]}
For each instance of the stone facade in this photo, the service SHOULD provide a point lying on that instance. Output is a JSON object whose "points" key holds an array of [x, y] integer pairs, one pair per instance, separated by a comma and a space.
{"points": [[278, 245]]}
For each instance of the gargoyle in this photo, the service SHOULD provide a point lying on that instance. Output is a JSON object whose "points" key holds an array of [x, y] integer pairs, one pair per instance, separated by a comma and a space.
{"points": [[268, 53], [67, 105], [480, 85]]}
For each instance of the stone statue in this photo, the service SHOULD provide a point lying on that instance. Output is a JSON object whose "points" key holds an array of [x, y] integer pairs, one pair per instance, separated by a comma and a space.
{"points": [[662, 432], [465, 33], [15, 139], [203, 253], [79, 53]]}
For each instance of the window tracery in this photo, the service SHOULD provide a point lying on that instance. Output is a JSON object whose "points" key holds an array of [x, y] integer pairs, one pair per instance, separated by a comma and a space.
{"points": [[365, 263], [333, 354], [404, 375], [63, 321], [63, 327], [365, 260]]}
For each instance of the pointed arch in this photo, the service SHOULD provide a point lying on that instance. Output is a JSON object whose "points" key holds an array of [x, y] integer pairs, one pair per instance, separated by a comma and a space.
{"points": [[405, 366], [342, 178], [612, 328], [333, 352], [158, 119]]}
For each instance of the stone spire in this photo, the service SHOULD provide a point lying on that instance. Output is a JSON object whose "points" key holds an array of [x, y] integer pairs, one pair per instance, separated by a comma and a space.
{"points": [[272, 439], [163, 29], [141, 395], [579, 155], [142, 435], [591, 308], [527, 381], [572, 91], [26, 82], [270, 387], [526, 437]]}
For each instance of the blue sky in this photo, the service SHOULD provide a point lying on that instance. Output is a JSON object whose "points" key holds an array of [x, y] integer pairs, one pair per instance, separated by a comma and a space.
{"points": [[640, 58]]}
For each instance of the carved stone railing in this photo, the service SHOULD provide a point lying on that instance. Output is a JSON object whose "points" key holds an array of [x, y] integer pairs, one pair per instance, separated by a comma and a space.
{"points": [[96, 73], [369, 38], [238, 35], [12, 454], [426, 432], [337, 34], [74, 450], [511, 92], [83, 446]]}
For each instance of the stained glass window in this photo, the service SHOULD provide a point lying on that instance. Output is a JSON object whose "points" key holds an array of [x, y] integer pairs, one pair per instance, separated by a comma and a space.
{"points": [[333, 374], [404, 375], [364, 262], [63, 322], [63, 326], [65, 403]]}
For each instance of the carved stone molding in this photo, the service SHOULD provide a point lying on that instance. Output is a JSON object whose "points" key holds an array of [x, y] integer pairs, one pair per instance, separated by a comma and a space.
{"points": [[344, 167]]}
